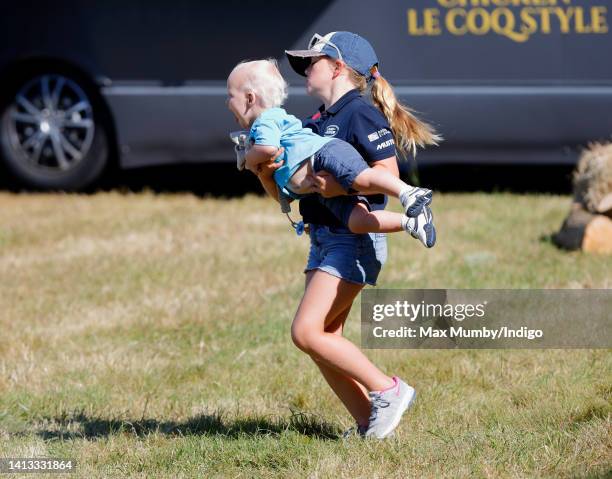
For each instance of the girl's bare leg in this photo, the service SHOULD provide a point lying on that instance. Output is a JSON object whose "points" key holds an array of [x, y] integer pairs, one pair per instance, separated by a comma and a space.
{"points": [[325, 298], [351, 393]]}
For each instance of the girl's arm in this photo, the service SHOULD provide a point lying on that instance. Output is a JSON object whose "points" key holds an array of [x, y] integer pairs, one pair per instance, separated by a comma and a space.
{"points": [[265, 173], [389, 164], [269, 185]]}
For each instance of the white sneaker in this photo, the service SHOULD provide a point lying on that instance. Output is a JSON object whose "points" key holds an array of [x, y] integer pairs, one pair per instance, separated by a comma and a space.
{"points": [[421, 227], [388, 407], [414, 199]]}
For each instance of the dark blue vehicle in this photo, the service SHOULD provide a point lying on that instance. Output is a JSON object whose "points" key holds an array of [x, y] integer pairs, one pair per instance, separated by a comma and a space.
{"points": [[143, 83]]}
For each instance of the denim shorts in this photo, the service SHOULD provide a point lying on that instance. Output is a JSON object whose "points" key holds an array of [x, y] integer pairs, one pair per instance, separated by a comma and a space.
{"points": [[351, 257]]}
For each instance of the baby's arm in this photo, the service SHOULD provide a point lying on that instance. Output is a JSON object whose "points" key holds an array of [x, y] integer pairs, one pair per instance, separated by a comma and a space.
{"points": [[259, 154], [266, 139]]}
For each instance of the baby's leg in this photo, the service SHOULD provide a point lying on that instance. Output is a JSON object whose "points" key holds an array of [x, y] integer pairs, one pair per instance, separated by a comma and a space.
{"points": [[301, 181], [413, 199], [352, 172], [376, 180], [354, 213], [363, 221]]}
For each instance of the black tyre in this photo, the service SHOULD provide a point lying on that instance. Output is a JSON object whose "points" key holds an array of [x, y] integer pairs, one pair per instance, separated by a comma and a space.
{"points": [[53, 134]]}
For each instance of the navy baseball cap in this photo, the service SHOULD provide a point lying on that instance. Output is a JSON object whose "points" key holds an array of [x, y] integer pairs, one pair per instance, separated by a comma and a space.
{"points": [[349, 47]]}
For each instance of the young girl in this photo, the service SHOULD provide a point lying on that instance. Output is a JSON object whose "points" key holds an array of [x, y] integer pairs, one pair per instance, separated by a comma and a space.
{"points": [[256, 91], [339, 67]]}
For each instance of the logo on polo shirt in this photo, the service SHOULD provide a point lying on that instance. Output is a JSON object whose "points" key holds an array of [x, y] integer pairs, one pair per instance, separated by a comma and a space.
{"points": [[331, 130], [378, 134], [385, 144]]}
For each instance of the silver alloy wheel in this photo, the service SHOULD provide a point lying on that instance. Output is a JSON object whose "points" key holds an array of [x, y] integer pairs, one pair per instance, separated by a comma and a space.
{"points": [[51, 123]]}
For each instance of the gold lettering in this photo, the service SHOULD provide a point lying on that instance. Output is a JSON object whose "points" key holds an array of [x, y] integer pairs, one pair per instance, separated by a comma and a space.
{"points": [[452, 3], [533, 16], [451, 24], [530, 25], [599, 20], [545, 20], [500, 3], [431, 21], [472, 25], [509, 23], [580, 26], [564, 16], [413, 23]]}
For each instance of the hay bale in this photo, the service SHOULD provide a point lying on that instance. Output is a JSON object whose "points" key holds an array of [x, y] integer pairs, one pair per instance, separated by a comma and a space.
{"points": [[571, 234], [593, 179], [588, 225], [586, 231], [598, 235]]}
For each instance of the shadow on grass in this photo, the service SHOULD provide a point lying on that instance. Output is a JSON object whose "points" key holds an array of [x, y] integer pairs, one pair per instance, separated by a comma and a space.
{"points": [[80, 426]]}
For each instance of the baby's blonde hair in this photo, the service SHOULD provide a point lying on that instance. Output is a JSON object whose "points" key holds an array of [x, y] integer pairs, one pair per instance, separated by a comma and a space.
{"points": [[265, 80]]}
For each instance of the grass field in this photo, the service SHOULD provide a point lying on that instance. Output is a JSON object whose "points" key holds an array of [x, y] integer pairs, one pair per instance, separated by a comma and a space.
{"points": [[149, 336]]}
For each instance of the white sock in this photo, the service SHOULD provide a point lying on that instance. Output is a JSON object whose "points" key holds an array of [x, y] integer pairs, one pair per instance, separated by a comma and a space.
{"points": [[404, 195], [405, 224]]}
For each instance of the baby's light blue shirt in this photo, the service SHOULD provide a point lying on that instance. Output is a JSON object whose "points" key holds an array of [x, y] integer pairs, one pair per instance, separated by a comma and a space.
{"points": [[275, 127]]}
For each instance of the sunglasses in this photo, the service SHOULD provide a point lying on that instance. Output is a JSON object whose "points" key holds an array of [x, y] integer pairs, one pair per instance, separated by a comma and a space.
{"points": [[316, 38]]}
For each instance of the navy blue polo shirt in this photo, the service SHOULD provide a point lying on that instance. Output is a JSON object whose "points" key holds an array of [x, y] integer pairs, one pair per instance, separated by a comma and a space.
{"points": [[359, 123]]}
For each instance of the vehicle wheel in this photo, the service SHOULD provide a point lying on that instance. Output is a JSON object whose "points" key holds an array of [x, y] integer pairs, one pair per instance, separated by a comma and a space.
{"points": [[52, 133]]}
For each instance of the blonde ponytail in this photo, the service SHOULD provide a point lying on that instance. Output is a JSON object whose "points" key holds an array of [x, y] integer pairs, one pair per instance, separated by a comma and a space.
{"points": [[408, 131]]}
